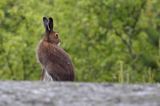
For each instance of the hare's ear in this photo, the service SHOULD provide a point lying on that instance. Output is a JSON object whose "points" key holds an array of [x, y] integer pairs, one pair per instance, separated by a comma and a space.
{"points": [[45, 22], [50, 24]]}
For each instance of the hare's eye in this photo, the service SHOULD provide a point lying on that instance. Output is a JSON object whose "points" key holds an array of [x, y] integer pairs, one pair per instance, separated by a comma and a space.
{"points": [[56, 35]]}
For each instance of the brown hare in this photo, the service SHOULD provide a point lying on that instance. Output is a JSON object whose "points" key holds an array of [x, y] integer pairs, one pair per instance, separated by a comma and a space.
{"points": [[55, 62]]}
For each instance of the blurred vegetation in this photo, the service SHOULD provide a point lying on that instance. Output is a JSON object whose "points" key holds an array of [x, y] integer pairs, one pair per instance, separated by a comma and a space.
{"points": [[108, 40]]}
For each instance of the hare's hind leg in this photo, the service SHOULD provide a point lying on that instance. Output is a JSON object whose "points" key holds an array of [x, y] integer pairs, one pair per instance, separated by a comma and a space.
{"points": [[47, 76], [42, 74]]}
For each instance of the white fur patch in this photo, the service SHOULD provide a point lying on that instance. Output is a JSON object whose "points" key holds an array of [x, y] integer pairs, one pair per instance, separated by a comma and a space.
{"points": [[47, 77], [59, 44]]}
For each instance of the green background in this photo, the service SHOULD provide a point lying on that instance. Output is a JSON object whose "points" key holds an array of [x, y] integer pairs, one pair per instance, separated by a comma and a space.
{"points": [[108, 40]]}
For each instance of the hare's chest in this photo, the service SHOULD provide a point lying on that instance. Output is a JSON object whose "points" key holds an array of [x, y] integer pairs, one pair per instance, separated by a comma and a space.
{"points": [[41, 55]]}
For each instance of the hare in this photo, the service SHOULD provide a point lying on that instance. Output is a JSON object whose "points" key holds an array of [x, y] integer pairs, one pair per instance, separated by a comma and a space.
{"points": [[55, 62]]}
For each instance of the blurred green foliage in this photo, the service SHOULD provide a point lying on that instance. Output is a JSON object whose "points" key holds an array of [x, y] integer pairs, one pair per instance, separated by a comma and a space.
{"points": [[108, 40]]}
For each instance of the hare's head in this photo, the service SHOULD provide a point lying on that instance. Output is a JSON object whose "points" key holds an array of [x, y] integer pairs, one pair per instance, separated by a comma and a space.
{"points": [[50, 35]]}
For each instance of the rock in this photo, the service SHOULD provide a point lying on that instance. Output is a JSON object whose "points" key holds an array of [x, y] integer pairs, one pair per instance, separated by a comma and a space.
{"points": [[31, 93]]}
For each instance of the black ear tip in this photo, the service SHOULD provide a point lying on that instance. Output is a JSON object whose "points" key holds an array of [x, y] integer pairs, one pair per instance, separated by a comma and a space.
{"points": [[50, 18], [44, 18]]}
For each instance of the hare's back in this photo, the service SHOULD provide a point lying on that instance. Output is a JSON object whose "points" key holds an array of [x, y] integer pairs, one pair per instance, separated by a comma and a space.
{"points": [[59, 72], [58, 63]]}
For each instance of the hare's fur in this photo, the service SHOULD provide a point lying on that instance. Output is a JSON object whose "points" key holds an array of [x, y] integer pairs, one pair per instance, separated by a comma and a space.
{"points": [[55, 62]]}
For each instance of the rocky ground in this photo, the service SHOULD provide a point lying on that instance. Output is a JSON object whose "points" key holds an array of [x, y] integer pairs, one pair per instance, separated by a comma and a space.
{"points": [[77, 94]]}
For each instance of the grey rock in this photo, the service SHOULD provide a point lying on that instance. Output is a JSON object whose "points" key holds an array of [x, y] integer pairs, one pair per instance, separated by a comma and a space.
{"points": [[34, 93]]}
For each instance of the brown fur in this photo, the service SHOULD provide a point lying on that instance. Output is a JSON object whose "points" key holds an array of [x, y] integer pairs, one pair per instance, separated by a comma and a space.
{"points": [[54, 59]]}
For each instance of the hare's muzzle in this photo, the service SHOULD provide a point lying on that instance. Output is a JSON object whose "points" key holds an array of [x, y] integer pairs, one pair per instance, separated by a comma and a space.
{"points": [[59, 43]]}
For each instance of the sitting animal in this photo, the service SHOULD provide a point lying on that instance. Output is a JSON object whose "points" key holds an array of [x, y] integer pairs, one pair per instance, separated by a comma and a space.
{"points": [[55, 62]]}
